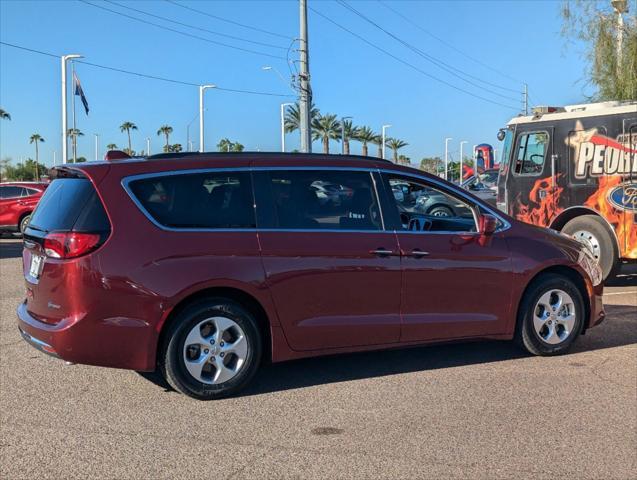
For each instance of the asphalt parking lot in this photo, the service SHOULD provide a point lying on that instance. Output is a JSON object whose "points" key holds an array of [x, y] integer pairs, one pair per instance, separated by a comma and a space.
{"points": [[480, 410]]}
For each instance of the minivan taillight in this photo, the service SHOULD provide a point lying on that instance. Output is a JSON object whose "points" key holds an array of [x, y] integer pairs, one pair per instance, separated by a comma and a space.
{"points": [[70, 244]]}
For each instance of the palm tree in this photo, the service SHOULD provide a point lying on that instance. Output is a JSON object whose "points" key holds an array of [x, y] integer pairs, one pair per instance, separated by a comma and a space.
{"points": [[36, 138], [226, 145], [111, 146], [293, 117], [127, 127], [395, 145], [74, 133], [351, 133], [378, 140], [365, 135], [4, 115], [165, 130], [326, 128]]}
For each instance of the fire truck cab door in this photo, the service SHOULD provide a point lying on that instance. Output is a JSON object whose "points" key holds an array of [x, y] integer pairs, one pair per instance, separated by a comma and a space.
{"points": [[531, 182]]}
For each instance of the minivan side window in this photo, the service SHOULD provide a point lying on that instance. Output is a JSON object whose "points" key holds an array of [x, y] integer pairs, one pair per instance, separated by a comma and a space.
{"points": [[208, 200], [424, 207], [531, 153], [321, 200]]}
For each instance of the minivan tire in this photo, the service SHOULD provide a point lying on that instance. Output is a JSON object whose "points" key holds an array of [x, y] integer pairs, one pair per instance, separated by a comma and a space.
{"points": [[526, 335], [171, 358], [595, 229]]}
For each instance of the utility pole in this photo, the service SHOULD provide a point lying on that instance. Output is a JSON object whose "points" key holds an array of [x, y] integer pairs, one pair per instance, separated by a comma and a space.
{"points": [[202, 89], [526, 99], [461, 175], [64, 58], [283, 105], [305, 100], [447, 157], [384, 127]]}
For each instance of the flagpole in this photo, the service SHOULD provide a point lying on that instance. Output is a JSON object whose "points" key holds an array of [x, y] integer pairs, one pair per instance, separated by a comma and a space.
{"points": [[74, 137]]}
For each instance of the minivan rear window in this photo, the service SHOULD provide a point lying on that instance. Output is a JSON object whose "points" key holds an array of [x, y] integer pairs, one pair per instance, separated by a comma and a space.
{"points": [[70, 204], [210, 200]]}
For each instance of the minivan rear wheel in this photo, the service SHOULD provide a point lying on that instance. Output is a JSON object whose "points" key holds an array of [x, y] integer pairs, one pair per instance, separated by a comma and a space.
{"points": [[211, 350], [551, 315]]}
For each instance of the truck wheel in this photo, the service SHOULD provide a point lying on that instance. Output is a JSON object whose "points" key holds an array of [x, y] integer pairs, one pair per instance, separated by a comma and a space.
{"points": [[591, 231]]}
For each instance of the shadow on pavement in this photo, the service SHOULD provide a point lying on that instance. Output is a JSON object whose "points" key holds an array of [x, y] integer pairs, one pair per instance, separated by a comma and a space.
{"points": [[627, 277], [619, 330], [11, 248]]}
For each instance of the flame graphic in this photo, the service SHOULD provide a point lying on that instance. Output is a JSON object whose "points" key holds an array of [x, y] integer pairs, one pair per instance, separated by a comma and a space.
{"points": [[622, 222], [541, 209]]}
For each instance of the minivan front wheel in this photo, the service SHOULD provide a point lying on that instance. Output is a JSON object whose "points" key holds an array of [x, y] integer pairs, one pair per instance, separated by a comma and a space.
{"points": [[211, 350], [551, 315]]}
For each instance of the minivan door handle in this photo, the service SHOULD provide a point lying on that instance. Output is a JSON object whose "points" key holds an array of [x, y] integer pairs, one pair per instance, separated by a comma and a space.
{"points": [[418, 253], [382, 252]]}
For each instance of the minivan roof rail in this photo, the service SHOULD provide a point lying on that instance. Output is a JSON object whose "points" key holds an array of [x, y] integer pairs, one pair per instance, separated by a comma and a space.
{"points": [[159, 156]]}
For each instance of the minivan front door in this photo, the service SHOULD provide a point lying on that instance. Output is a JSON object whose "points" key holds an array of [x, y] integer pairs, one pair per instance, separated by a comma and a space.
{"points": [[456, 284], [333, 272]]}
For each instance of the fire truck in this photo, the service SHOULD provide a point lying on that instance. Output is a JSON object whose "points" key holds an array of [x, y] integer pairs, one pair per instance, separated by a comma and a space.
{"points": [[574, 169]]}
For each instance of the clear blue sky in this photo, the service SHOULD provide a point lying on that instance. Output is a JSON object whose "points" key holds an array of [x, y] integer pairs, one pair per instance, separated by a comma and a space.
{"points": [[517, 38]]}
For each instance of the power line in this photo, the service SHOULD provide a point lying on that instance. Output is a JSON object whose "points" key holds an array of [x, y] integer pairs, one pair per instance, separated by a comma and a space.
{"points": [[439, 63], [232, 22], [144, 75], [404, 62], [449, 45], [182, 33], [269, 45]]}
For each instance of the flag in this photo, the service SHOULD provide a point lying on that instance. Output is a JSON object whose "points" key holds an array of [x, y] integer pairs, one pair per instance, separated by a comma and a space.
{"points": [[78, 91]]}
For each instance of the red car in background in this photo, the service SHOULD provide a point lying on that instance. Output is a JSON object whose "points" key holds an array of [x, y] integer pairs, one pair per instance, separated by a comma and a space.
{"points": [[17, 202]]}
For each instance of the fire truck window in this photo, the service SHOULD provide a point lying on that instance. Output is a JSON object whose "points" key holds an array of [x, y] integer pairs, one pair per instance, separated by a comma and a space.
{"points": [[531, 153]]}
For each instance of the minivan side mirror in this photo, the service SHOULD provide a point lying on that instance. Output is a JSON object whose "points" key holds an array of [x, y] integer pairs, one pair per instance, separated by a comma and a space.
{"points": [[487, 224]]}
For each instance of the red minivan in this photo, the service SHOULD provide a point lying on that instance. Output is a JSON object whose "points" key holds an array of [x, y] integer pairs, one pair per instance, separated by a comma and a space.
{"points": [[17, 202], [203, 265]]}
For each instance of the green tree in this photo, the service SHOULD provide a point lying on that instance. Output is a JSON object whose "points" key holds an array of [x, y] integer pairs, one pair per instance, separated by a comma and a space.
{"points": [[4, 115], [4, 163], [226, 145], [326, 128], [24, 171], [378, 141], [174, 148], [351, 133], [111, 146], [404, 160], [431, 165], [613, 74], [36, 138], [74, 133], [127, 127], [365, 136], [165, 130], [395, 145], [292, 119]]}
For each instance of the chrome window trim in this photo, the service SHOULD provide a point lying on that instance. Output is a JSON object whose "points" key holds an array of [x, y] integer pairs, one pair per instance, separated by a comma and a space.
{"points": [[125, 182], [460, 193]]}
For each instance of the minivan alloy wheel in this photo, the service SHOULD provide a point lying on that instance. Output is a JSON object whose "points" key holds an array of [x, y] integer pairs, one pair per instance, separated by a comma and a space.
{"points": [[554, 316], [215, 350]]}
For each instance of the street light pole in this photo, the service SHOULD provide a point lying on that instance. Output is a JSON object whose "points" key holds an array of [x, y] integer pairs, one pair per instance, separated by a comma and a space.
{"points": [[97, 136], [385, 127], [447, 157], [148, 146], [283, 105], [188, 142], [475, 161], [202, 89], [63, 59], [343, 133], [460, 175]]}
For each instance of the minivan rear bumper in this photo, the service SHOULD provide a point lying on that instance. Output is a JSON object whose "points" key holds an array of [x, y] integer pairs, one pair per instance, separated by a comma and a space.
{"points": [[82, 340]]}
